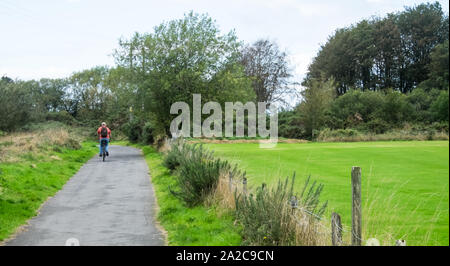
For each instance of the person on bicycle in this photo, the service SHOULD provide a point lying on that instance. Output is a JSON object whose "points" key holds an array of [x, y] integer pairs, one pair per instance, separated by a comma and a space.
{"points": [[104, 134]]}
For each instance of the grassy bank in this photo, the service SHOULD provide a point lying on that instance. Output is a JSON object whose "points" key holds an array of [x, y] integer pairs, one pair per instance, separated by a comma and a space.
{"points": [[186, 226], [405, 184], [33, 167]]}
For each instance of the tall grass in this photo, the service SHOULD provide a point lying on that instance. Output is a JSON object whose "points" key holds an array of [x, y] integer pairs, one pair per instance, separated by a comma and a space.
{"points": [[381, 209], [16, 145], [276, 216]]}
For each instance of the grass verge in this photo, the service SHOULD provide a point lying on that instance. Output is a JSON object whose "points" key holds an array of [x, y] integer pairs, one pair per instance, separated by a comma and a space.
{"points": [[26, 183], [185, 226]]}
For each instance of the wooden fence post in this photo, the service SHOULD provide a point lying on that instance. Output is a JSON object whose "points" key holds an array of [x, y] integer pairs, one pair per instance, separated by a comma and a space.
{"points": [[356, 206], [336, 229]]}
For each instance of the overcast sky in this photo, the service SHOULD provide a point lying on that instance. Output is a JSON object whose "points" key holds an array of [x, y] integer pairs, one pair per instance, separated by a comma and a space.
{"points": [[53, 38]]}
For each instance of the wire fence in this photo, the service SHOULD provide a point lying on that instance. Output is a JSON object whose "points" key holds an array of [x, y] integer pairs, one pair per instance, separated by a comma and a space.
{"points": [[240, 184]]}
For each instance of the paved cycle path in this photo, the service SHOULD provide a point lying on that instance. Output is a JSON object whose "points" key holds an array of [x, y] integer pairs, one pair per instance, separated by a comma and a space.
{"points": [[105, 203]]}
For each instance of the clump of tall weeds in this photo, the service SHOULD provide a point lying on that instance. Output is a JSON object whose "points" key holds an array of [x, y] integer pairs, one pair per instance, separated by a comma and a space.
{"points": [[277, 217]]}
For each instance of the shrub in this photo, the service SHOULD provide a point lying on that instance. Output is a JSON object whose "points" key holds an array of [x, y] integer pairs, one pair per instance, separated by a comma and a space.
{"points": [[377, 126], [61, 116], [267, 217], [439, 108], [147, 133], [440, 126], [174, 155], [198, 174], [289, 126], [396, 108], [133, 130]]}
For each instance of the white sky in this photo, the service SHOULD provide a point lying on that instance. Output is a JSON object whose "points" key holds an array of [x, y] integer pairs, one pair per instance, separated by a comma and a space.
{"points": [[53, 38]]}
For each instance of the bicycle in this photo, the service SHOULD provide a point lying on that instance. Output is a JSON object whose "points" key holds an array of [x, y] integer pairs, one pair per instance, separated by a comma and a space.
{"points": [[103, 146]]}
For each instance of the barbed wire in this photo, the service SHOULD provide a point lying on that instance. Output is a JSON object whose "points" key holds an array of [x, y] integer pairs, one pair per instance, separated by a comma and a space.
{"points": [[239, 182], [323, 220]]}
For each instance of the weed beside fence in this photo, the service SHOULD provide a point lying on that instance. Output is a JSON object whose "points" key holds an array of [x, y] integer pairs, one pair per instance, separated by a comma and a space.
{"points": [[276, 216]]}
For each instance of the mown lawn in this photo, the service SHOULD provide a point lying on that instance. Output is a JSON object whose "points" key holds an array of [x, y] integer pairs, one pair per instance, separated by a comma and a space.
{"points": [[405, 185], [26, 184]]}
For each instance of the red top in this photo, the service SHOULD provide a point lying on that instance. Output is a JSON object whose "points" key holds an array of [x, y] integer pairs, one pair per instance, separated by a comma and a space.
{"points": [[99, 131]]}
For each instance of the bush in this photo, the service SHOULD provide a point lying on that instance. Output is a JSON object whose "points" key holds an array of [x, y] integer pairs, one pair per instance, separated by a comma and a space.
{"points": [[176, 152], [364, 104], [61, 116], [147, 134], [377, 126], [198, 174], [396, 108], [439, 108], [289, 126], [133, 130], [440, 126], [267, 218]]}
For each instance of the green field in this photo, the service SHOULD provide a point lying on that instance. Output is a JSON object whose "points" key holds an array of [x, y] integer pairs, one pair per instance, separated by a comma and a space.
{"points": [[405, 185]]}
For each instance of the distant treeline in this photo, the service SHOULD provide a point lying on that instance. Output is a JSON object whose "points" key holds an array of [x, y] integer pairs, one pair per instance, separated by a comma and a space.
{"points": [[400, 51], [374, 76], [378, 75]]}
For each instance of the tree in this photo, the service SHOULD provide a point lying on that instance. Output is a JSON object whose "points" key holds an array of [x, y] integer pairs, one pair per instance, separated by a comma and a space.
{"points": [[438, 68], [422, 28], [387, 54], [49, 94], [381, 53], [91, 95], [182, 57], [268, 69], [16, 104], [317, 97], [440, 107]]}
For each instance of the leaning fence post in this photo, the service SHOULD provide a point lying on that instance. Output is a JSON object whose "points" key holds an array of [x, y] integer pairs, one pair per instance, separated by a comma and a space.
{"points": [[336, 229], [356, 206], [244, 183]]}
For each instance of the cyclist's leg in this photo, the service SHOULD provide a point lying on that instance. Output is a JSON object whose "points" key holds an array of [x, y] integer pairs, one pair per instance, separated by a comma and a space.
{"points": [[106, 146], [100, 146]]}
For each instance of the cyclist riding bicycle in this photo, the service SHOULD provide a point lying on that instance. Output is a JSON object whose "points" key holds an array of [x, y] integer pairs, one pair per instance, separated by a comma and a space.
{"points": [[104, 134]]}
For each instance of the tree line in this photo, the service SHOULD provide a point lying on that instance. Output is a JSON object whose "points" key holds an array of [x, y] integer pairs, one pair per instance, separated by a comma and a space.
{"points": [[378, 75], [390, 52], [374, 76]]}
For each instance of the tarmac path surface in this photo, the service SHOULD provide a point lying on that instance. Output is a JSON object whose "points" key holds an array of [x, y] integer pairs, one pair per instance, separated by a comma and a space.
{"points": [[106, 203]]}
